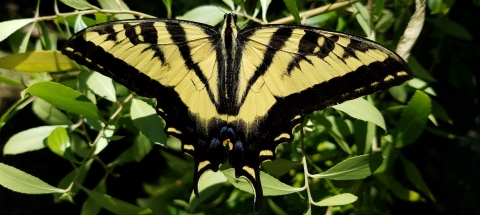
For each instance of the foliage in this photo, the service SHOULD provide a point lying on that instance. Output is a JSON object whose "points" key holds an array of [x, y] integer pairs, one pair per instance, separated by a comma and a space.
{"points": [[364, 156]]}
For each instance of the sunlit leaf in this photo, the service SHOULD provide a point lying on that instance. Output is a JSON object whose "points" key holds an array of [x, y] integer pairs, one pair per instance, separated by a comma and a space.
{"points": [[77, 4], [28, 140], [8, 27], [146, 120], [210, 15], [19, 181], [65, 99], [37, 61], [270, 185], [340, 199], [209, 183], [362, 110], [353, 168]]}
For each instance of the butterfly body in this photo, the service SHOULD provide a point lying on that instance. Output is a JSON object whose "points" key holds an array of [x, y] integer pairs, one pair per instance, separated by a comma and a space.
{"points": [[235, 94]]}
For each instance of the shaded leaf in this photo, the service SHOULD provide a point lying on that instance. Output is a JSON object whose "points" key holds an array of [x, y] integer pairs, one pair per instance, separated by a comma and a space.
{"points": [[114, 205], [415, 177], [22, 182], [279, 166], [141, 147], [454, 29], [292, 7], [10, 81], [49, 114], [413, 120]]}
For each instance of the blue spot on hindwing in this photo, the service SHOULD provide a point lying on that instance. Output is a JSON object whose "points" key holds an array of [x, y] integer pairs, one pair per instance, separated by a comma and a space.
{"points": [[238, 146], [214, 143]]}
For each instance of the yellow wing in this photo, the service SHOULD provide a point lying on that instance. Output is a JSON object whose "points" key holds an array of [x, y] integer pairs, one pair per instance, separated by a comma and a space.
{"points": [[176, 62]]}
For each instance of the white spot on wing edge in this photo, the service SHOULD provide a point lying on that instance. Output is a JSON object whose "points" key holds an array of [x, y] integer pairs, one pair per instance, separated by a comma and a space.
{"points": [[388, 78], [173, 130], [266, 153], [250, 171], [283, 135], [202, 165], [189, 147]]}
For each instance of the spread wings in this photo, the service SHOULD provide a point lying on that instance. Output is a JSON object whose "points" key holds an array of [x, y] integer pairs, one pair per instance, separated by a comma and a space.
{"points": [[279, 73]]}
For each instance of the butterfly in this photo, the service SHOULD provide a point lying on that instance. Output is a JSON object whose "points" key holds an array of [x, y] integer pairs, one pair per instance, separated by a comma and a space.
{"points": [[235, 93]]}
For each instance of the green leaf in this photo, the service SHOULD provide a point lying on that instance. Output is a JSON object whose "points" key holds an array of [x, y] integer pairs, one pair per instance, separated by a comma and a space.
{"points": [[90, 207], [419, 71], [340, 199], [209, 15], [363, 18], [434, 6], [413, 120], [77, 4], [27, 140], [415, 177], [65, 99], [10, 81], [399, 92], [265, 4], [113, 5], [353, 168], [102, 86], [79, 24], [78, 144], [270, 185], [22, 182], [364, 134], [420, 84], [115, 205], [59, 142], [49, 114], [37, 61], [168, 6], [363, 110], [385, 22], [67, 180], [454, 29], [209, 183], [141, 147], [279, 166], [147, 121], [292, 7], [72, 20], [378, 7], [398, 190], [8, 27]]}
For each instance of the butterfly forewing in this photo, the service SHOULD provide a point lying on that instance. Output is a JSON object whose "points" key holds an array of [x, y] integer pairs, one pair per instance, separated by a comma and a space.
{"points": [[246, 93]]}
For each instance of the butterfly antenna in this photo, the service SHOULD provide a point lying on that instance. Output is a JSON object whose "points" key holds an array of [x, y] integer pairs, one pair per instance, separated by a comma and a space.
{"points": [[217, 6]]}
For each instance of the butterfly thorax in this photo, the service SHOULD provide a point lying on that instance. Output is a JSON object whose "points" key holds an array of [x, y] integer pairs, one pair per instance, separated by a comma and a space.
{"points": [[229, 76]]}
